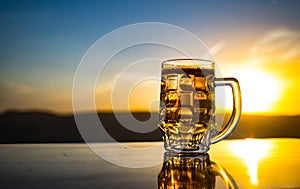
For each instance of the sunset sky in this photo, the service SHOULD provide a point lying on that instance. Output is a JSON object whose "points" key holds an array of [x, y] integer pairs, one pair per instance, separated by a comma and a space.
{"points": [[42, 43]]}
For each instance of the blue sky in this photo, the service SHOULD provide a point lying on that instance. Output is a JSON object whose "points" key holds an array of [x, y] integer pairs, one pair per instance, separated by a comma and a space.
{"points": [[42, 42]]}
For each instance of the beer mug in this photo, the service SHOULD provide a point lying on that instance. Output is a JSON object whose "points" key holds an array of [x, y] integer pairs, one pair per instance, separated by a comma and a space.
{"points": [[187, 108], [192, 172]]}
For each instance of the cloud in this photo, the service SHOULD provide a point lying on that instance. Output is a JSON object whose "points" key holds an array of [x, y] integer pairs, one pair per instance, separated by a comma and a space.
{"points": [[217, 47], [15, 95], [11, 90], [11, 87], [282, 44], [20, 96]]}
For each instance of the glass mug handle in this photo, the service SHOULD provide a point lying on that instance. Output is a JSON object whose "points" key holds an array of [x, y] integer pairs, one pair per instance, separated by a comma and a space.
{"points": [[237, 107]]}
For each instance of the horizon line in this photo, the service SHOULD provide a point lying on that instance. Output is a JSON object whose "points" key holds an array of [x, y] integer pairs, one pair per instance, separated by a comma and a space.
{"points": [[57, 113]]}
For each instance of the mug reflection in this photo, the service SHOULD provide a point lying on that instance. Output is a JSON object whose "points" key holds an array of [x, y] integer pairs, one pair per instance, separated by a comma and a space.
{"points": [[191, 172]]}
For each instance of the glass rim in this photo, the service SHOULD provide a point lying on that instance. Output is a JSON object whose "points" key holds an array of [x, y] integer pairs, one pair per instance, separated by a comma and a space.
{"points": [[188, 63], [206, 61]]}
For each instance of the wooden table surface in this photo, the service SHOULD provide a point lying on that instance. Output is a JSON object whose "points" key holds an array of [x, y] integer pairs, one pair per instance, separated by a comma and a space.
{"points": [[252, 163]]}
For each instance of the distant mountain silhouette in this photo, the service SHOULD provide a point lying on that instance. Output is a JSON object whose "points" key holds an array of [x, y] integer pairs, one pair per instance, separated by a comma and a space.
{"points": [[33, 127]]}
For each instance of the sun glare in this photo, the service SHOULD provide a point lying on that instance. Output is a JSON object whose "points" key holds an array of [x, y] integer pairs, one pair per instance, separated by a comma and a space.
{"points": [[252, 151], [260, 91]]}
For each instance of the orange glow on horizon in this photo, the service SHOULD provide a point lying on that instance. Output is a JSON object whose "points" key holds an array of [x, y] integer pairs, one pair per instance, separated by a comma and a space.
{"points": [[261, 94]]}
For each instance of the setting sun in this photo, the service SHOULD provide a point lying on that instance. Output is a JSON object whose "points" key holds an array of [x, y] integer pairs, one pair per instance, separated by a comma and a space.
{"points": [[260, 90]]}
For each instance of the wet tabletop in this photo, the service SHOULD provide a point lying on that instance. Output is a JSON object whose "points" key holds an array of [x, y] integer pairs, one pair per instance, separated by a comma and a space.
{"points": [[250, 163]]}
